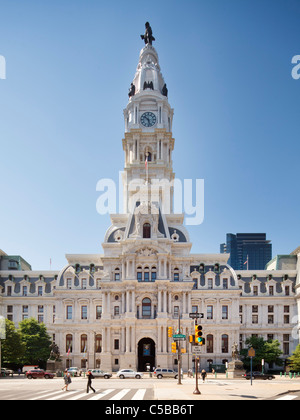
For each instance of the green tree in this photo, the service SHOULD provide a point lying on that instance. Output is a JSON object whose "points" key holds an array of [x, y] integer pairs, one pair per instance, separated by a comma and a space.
{"points": [[37, 342], [267, 350], [12, 347], [295, 360]]}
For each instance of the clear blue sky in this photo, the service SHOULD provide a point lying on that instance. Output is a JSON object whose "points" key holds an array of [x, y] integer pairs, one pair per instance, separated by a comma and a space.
{"points": [[227, 64]]}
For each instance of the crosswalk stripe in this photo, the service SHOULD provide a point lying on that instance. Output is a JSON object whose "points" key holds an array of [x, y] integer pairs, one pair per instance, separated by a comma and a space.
{"points": [[139, 395], [77, 397], [287, 398], [102, 395], [42, 396], [120, 394], [63, 394]]}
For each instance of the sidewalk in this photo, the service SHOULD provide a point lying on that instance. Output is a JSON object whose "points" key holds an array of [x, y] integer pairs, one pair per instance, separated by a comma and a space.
{"points": [[224, 389]]}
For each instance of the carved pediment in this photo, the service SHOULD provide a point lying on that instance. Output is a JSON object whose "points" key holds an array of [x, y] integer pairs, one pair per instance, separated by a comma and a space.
{"points": [[146, 252]]}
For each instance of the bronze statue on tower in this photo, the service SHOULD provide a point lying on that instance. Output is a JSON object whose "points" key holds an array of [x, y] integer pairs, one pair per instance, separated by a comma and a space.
{"points": [[148, 37]]}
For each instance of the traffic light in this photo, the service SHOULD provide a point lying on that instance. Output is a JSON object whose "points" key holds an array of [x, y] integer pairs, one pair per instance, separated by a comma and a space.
{"points": [[201, 341], [192, 338], [198, 333], [174, 348], [170, 332]]}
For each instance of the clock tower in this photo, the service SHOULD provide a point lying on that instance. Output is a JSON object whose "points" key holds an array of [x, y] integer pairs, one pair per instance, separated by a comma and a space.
{"points": [[148, 142]]}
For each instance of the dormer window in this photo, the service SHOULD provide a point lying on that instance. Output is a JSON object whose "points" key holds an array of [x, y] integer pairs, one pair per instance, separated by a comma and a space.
{"points": [[13, 265]]}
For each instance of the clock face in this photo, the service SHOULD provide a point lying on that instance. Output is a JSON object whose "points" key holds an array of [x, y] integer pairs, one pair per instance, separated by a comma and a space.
{"points": [[148, 119]]}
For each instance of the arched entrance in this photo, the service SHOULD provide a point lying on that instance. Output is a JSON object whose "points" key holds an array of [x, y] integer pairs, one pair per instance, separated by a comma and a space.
{"points": [[146, 354]]}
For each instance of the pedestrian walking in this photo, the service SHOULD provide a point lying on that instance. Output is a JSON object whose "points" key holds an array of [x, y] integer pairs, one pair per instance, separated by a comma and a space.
{"points": [[89, 384], [203, 374], [67, 380]]}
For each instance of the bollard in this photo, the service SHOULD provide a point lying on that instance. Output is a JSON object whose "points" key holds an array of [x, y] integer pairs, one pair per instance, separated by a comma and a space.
{"points": [[280, 374]]}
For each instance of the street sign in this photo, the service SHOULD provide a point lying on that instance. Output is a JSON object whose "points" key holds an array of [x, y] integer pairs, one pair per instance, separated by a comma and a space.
{"points": [[196, 315], [179, 337], [251, 352], [196, 350]]}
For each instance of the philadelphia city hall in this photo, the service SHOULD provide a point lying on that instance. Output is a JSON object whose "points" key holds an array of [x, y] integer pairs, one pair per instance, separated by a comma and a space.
{"points": [[113, 310]]}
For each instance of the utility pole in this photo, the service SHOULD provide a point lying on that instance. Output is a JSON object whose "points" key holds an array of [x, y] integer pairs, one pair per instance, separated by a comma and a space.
{"points": [[196, 392], [179, 352]]}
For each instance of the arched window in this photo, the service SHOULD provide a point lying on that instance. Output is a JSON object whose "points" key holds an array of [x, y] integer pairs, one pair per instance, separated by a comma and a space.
{"points": [[146, 308], [69, 343], [83, 343], [117, 274], [98, 343], [147, 231], [153, 273], [139, 274], [146, 274], [176, 274], [224, 343]]}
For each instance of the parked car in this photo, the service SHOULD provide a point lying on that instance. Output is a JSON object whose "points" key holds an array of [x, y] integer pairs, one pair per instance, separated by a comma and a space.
{"points": [[39, 373], [129, 373], [6, 372], [165, 373], [75, 371], [259, 375], [98, 373]]}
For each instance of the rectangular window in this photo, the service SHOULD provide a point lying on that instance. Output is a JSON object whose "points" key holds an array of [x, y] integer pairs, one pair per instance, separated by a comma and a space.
{"points": [[98, 312], [69, 312], [225, 284], [224, 312], [84, 312], [40, 291], [83, 284], [69, 284], [24, 291], [210, 312], [210, 284], [25, 312]]}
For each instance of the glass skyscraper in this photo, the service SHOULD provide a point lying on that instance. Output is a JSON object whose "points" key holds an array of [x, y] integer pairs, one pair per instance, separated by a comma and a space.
{"points": [[250, 251]]}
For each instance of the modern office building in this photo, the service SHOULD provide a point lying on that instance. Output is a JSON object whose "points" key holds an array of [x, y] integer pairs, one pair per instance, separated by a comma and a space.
{"points": [[114, 309], [247, 250]]}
